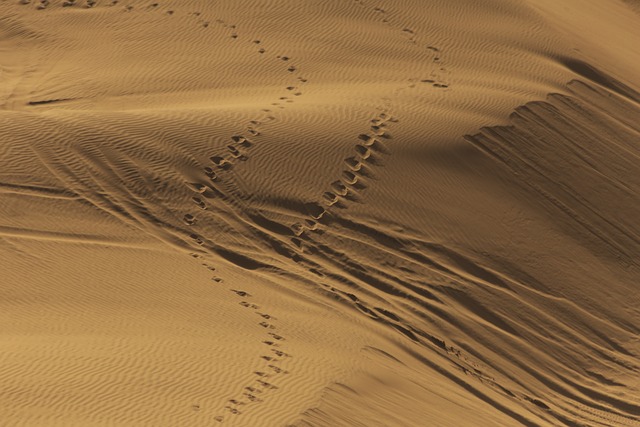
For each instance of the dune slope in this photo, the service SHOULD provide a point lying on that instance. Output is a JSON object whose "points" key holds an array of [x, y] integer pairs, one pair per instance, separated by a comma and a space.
{"points": [[319, 213]]}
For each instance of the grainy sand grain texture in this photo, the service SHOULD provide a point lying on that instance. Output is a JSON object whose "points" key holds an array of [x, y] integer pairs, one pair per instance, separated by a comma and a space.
{"points": [[319, 213]]}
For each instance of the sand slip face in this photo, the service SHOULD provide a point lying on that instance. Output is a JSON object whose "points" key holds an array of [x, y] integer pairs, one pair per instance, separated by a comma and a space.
{"points": [[319, 213]]}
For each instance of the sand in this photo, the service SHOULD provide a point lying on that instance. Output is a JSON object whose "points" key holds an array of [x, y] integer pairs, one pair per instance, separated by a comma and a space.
{"points": [[320, 213]]}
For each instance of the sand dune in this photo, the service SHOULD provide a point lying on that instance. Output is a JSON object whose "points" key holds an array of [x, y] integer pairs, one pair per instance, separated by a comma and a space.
{"points": [[319, 213]]}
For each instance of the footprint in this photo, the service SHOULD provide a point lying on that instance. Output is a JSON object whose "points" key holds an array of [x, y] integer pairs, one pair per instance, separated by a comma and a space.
{"points": [[330, 198], [349, 177], [266, 316], [221, 162], [241, 293], [339, 188], [248, 305], [241, 140], [234, 151], [196, 239], [210, 173], [298, 229], [251, 397], [353, 164], [197, 187], [382, 133], [276, 336], [278, 370], [363, 151], [199, 203], [234, 411], [267, 385], [367, 139], [315, 210], [189, 219], [297, 242], [387, 117], [267, 325]]}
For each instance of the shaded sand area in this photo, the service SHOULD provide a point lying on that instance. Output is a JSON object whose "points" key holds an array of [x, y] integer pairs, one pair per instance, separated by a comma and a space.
{"points": [[320, 213]]}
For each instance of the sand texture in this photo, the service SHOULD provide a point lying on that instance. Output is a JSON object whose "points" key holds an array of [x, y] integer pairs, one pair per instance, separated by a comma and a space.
{"points": [[332, 213]]}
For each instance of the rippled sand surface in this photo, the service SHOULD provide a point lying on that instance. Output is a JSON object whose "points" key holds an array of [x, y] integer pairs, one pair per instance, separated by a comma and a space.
{"points": [[319, 213]]}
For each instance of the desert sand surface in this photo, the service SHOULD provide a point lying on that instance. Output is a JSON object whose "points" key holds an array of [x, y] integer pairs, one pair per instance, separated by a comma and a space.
{"points": [[320, 213]]}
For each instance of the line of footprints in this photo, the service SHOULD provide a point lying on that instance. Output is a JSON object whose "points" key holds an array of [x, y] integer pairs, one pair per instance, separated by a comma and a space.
{"points": [[412, 37], [354, 176], [256, 391], [239, 145], [88, 4]]}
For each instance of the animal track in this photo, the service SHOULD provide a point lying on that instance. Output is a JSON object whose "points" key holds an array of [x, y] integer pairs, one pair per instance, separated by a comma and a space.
{"points": [[249, 394], [249, 305], [412, 37], [267, 325], [353, 178], [190, 219], [238, 149], [199, 202]]}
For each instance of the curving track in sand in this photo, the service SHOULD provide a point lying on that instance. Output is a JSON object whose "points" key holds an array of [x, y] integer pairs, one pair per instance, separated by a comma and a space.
{"points": [[336, 213]]}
